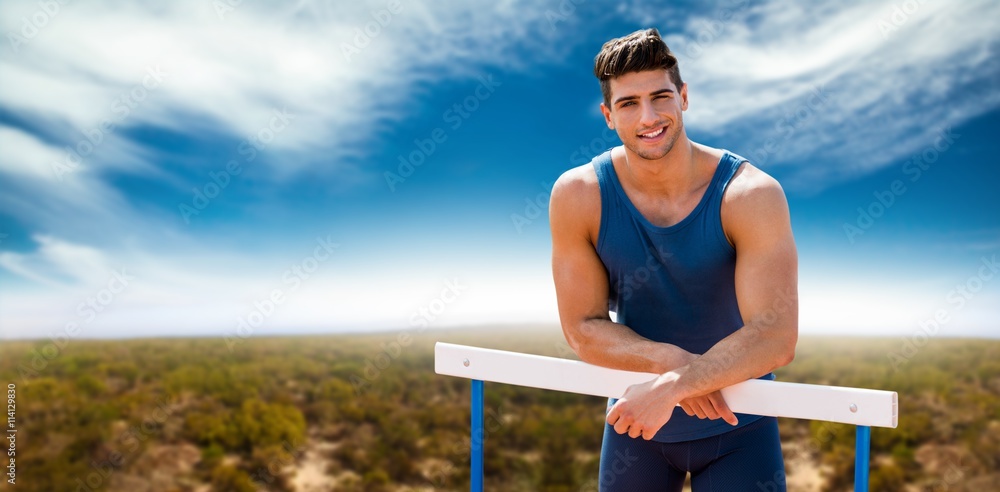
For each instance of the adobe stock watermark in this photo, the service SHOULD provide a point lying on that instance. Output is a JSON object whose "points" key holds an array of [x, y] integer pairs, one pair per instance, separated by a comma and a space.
{"points": [[634, 281], [790, 123], [32, 24], [421, 318], [776, 484], [292, 278], [426, 147], [225, 7], [608, 475], [121, 107], [952, 475], [493, 421], [562, 13], [363, 37], [826, 433], [956, 298], [594, 147], [712, 30], [218, 181], [11, 434], [534, 207], [884, 199], [786, 300], [538, 205], [900, 14], [264, 476], [127, 446], [88, 310]]}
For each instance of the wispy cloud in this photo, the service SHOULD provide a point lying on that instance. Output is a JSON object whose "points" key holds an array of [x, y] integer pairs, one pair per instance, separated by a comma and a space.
{"points": [[892, 79], [202, 81], [224, 74], [80, 91]]}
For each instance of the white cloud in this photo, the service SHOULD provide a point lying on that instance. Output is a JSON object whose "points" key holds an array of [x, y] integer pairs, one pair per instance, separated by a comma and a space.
{"points": [[93, 63], [233, 71], [893, 81], [20, 147], [225, 77], [208, 295]]}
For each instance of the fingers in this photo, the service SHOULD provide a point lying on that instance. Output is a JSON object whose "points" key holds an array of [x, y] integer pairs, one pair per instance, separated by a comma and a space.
{"points": [[686, 406], [623, 423], [696, 407], [634, 432], [712, 406], [620, 426], [616, 418], [705, 409], [614, 411], [722, 409]]}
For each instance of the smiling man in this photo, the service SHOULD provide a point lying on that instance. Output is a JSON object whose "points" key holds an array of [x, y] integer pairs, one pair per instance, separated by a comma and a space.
{"points": [[692, 248]]}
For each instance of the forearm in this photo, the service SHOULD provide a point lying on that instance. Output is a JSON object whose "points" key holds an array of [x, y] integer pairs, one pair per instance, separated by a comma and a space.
{"points": [[750, 352], [605, 343]]}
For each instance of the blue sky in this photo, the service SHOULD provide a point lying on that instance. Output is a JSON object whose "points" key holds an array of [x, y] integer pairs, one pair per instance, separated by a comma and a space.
{"points": [[250, 181]]}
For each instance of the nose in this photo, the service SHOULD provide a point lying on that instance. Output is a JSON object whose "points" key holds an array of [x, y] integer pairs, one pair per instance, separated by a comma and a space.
{"points": [[647, 116]]}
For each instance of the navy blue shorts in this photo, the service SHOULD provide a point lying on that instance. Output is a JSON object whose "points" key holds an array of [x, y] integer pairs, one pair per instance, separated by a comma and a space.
{"points": [[747, 458]]}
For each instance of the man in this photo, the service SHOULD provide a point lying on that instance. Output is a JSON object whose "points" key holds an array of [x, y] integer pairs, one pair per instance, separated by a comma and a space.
{"points": [[692, 248]]}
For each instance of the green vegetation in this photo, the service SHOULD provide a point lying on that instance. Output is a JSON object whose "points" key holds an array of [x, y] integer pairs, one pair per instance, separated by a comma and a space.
{"points": [[364, 412]]}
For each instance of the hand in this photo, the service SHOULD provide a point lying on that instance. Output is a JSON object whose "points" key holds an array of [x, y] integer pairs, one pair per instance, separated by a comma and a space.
{"points": [[711, 406], [646, 407]]}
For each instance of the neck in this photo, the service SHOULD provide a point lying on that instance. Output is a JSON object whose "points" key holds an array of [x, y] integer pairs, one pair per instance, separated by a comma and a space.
{"points": [[672, 175]]}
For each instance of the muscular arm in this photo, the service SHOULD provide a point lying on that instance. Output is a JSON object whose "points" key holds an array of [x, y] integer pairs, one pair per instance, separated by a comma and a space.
{"points": [[759, 226], [756, 219], [582, 285]]}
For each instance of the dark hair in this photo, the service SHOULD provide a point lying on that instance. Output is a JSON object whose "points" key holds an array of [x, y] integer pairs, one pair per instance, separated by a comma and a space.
{"points": [[640, 51]]}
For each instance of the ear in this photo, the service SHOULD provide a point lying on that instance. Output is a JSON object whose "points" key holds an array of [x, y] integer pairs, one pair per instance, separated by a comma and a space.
{"points": [[607, 116], [684, 97]]}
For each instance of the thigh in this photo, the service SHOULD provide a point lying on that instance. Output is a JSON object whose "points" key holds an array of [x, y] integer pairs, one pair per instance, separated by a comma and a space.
{"points": [[748, 458], [632, 465]]}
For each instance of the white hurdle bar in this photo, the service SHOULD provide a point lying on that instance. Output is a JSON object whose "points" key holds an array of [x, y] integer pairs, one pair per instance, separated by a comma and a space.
{"points": [[861, 407]]}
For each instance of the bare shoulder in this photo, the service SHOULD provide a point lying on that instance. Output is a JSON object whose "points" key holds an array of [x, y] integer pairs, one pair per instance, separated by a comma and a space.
{"points": [[577, 183], [754, 203], [575, 203], [751, 186], [753, 191]]}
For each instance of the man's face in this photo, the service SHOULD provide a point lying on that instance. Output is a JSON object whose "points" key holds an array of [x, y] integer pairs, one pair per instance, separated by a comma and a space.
{"points": [[646, 103]]}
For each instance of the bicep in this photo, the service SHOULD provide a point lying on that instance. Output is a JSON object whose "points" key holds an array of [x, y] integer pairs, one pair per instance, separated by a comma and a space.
{"points": [[581, 282], [766, 262], [580, 278]]}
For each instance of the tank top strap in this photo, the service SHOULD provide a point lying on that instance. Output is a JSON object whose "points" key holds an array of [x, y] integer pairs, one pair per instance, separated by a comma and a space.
{"points": [[731, 163], [602, 166]]}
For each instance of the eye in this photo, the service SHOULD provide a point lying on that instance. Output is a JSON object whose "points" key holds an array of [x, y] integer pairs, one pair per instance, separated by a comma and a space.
{"points": [[626, 103]]}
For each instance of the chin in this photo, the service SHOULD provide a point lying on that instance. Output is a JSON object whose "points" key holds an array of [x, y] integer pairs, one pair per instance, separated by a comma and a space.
{"points": [[654, 153]]}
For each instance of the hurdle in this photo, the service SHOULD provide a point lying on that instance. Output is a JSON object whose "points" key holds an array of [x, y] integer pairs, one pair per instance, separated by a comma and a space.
{"points": [[863, 408]]}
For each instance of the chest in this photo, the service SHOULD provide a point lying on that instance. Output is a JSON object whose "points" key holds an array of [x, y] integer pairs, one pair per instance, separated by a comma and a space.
{"points": [[662, 212]]}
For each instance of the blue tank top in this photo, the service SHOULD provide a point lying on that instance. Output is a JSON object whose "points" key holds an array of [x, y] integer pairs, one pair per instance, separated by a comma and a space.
{"points": [[673, 284]]}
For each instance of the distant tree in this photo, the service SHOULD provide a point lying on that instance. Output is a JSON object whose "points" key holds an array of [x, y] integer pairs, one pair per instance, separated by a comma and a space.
{"points": [[263, 424], [226, 478]]}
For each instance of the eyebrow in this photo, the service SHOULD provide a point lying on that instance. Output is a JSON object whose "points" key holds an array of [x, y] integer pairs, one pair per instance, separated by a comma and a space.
{"points": [[654, 93]]}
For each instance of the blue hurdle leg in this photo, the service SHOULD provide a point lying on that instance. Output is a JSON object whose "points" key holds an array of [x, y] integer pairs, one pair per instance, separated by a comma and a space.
{"points": [[864, 438], [477, 436]]}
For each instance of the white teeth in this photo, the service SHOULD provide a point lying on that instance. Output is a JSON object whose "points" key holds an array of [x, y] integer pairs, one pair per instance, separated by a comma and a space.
{"points": [[651, 135]]}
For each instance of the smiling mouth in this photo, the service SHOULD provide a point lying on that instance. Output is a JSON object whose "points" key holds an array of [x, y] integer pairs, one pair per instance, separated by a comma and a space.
{"points": [[653, 136]]}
